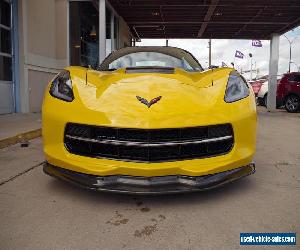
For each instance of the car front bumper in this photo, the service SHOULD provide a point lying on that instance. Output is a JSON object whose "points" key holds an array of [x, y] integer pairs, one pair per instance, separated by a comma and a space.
{"points": [[149, 185]]}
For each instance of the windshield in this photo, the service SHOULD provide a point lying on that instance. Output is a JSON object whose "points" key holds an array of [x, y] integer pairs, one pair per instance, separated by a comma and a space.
{"points": [[150, 59]]}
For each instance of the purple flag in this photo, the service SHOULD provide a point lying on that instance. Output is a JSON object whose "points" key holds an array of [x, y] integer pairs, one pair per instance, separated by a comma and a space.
{"points": [[256, 43], [239, 54], [224, 64]]}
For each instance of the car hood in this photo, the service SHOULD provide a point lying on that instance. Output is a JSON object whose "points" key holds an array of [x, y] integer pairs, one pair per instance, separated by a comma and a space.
{"points": [[186, 98]]}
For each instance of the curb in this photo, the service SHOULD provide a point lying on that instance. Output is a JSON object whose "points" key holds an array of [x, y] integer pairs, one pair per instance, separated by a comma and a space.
{"points": [[23, 137]]}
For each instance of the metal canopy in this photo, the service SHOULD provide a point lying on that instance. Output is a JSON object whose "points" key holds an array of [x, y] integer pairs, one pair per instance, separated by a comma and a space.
{"points": [[224, 19]]}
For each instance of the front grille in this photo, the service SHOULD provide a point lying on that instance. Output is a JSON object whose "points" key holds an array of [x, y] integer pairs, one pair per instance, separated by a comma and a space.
{"points": [[148, 145]]}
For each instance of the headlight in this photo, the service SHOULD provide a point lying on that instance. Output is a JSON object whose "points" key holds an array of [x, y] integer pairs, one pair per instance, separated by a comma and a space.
{"points": [[236, 89], [61, 86]]}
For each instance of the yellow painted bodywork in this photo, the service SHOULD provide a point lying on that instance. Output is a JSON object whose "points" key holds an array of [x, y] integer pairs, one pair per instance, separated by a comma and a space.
{"points": [[188, 100]]}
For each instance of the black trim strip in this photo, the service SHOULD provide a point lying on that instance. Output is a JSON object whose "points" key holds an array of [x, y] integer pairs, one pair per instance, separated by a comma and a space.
{"points": [[149, 185]]}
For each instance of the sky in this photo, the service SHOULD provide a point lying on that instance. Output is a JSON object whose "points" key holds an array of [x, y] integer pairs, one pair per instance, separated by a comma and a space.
{"points": [[223, 50]]}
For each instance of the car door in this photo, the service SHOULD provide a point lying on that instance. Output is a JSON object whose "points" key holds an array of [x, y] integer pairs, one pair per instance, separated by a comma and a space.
{"points": [[295, 84], [296, 87]]}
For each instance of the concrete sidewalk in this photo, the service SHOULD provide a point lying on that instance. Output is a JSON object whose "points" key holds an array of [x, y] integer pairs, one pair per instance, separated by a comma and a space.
{"points": [[16, 128]]}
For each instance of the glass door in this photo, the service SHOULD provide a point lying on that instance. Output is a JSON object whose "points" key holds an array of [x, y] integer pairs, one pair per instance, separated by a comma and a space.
{"points": [[6, 57], [84, 33]]}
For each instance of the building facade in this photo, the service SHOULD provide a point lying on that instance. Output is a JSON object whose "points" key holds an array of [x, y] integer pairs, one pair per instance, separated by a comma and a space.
{"points": [[40, 37]]}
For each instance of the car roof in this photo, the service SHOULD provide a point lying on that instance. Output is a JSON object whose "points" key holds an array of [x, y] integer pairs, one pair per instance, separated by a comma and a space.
{"points": [[292, 73], [168, 50]]}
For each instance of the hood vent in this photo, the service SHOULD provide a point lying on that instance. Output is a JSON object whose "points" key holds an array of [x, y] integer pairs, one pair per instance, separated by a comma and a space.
{"points": [[161, 70]]}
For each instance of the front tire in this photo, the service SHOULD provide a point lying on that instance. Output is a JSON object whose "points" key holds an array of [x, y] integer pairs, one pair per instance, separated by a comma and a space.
{"points": [[292, 103], [258, 102], [265, 100]]}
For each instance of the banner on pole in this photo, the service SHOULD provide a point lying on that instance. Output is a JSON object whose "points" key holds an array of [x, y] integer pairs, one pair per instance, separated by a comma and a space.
{"points": [[239, 54], [256, 43]]}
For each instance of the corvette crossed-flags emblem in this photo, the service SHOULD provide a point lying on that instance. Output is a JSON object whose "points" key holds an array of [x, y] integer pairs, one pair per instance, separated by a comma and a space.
{"points": [[150, 103]]}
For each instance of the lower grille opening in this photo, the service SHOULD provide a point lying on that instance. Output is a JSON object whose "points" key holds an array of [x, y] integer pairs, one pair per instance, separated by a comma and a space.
{"points": [[149, 145]]}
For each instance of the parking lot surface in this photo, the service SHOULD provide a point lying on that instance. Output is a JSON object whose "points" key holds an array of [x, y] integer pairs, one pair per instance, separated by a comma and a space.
{"points": [[39, 212]]}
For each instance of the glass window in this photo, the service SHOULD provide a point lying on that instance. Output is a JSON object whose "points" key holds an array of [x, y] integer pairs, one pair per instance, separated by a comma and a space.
{"points": [[5, 68], [5, 13], [108, 27], [297, 78], [116, 32], [151, 59], [294, 78], [84, 34], [5, 41]]}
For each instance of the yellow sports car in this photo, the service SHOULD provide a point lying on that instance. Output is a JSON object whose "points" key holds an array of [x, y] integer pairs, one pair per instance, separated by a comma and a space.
{"points": [[149, 120]]}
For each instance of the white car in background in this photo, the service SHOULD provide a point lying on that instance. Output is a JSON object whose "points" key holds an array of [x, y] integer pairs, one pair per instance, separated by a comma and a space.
{"points": [[262, 95]]}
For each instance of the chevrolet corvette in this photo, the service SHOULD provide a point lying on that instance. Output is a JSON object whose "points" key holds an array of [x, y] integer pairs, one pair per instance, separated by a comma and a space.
{"points": [[149, 120]]}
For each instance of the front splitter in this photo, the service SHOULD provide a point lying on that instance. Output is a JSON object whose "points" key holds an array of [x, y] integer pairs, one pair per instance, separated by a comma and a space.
{"points": [[148, 185]]}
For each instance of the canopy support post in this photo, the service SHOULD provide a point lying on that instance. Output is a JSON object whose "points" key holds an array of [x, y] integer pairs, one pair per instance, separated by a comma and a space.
{"points": [[102, 30], [273, 69]]}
